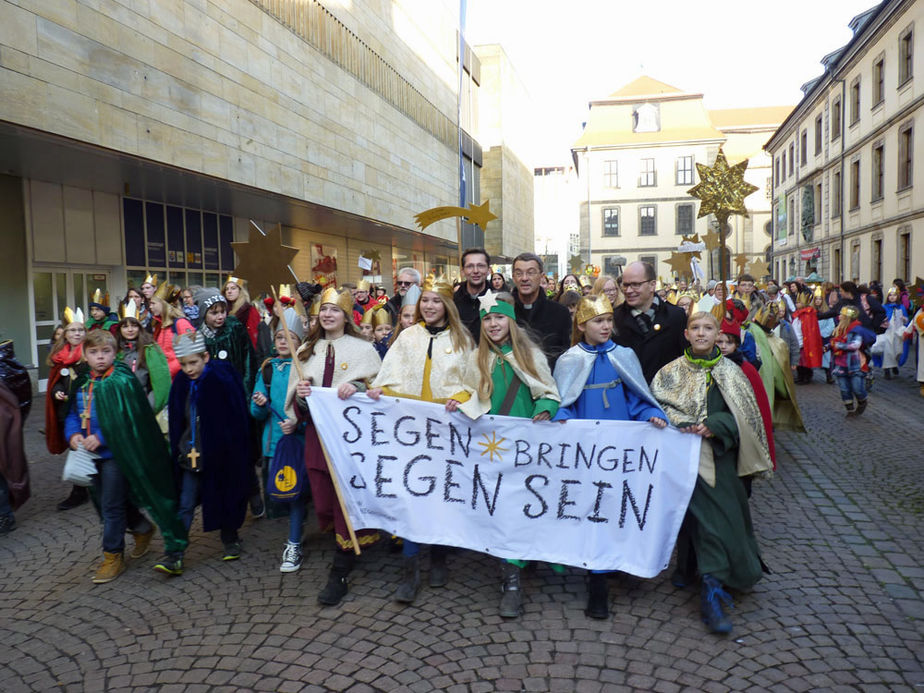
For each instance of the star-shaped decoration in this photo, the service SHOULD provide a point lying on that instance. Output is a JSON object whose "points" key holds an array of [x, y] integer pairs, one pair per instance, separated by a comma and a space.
{"points": [[680, 263], [712, 240], [722, 188], [694, 239], [488, 301], [741, 260], [373, 255], [492, 446], [758, 268], [575, 263], [263, 260]]}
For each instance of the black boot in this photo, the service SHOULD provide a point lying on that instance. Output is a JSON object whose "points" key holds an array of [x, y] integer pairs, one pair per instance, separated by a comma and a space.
{"points": [[336, 588], [79, 496], [711, 605], [512, 598], [828, 377], [439, 575], [407, 590], [851, 412], [861, 405], [598, 596]]}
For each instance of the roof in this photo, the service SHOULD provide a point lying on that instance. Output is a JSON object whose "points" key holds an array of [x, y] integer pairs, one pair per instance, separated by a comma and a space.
{"points": [[644, 86], [763, 116]]}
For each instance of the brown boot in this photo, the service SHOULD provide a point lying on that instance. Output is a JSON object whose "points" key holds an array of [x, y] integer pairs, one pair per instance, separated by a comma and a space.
{"points": [[142, 543], [113, 566]]}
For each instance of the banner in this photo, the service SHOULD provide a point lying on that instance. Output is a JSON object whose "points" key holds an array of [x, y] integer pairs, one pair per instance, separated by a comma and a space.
{"points": [[601, 495]]}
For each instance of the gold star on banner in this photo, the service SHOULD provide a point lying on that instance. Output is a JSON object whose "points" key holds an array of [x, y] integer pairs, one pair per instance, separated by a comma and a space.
{"points": [[264, 260], [741, 260], [722, 188], [492, 446], [712, 240], [758, 268], [680, 263]]}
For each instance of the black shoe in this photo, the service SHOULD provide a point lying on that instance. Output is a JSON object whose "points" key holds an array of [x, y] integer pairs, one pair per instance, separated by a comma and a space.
{"points": [[439, 575], [887, 373], [410, 584], [598, 597], [711, 606], [79, 496], [861, 405], [7, 524], [334, 591], [680, 579], [828, 377], [232, 551], [170, 565]]}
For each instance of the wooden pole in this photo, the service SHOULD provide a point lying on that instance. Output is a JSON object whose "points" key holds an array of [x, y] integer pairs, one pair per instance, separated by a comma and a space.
{"points": [[277, 307]]}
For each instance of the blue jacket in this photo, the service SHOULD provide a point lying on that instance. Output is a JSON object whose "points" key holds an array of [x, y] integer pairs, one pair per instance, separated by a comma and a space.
{"points": [[276, 398], [72, 424]]}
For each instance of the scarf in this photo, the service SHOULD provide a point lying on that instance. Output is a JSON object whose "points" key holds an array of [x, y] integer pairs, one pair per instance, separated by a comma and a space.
{"points": [[68, 355], [707, 363]]}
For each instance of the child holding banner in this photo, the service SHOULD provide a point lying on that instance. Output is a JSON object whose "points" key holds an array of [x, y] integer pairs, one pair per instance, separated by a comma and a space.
{"points": [[599, 380], [708, 395], [427, 362], [507, 375], [333, 355]]}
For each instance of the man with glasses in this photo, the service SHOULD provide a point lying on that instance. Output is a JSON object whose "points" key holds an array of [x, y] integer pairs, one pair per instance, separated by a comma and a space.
{"points": [[476, 265], [407, 277], [548, 322], [652, 328]]}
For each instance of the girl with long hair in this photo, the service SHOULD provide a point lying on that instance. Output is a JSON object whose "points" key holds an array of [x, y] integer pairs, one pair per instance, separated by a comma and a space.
{"points": [[240, 306], [167, 322]]}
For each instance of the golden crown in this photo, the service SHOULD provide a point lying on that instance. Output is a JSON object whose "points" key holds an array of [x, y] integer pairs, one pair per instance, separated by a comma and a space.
{"points": [[72, 316], [768, 315], [168, 292], [363, 285], [342, 299], [150, 279], [234, 280], [590, 307], [376, 316], [805, 298], [128, 310], [850, 312], [438, 285]]}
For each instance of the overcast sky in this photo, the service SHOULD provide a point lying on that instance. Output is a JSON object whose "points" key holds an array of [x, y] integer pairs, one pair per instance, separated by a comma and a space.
{"points": [[737, 53]]}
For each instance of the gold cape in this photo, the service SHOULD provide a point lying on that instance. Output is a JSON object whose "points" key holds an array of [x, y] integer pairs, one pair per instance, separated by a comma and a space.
{"points": [[542, 387], [680, 388]]}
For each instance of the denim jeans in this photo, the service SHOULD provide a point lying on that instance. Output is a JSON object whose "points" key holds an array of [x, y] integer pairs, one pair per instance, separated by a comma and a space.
{"points": [[298, 509], [6, 510], [189, 499], [112, 491], [852, 384]]}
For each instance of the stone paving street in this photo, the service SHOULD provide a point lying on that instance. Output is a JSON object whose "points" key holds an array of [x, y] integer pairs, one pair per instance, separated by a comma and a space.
{"points": [[840, 526]]}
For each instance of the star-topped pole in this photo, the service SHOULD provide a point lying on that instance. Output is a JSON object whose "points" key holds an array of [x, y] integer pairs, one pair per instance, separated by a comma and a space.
{"points": [[264, 260], [722, 191]]}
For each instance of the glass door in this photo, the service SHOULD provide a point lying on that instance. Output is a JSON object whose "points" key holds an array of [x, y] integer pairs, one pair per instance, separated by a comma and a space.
{"points": [[54, 289]]}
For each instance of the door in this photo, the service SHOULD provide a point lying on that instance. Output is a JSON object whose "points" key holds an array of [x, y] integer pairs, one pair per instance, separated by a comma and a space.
{"points": [[54, 289]]}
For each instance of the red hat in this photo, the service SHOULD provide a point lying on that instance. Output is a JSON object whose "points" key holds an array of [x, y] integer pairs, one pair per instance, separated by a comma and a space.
{"points": [[732, 328], [739, 312]]}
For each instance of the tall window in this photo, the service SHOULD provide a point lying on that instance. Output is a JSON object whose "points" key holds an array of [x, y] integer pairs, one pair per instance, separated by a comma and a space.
{"points": [[836, 194], [651, 260], [835, 119], [684, 219], [803, 148], [792, 159], [877, 260], [855, 101], [819, 133], [817, 203], [610, 221], [647, 222], [878, 81], [783, 166], [776, 172], [905, 157], [611, 174], [646, 176], [685, 170], [904, 255], [906, 56], [854, 184], [878, 173]]}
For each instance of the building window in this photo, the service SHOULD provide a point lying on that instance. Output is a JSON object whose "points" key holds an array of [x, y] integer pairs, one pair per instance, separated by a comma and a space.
{"points": [[803, 148], [878, 81], [878, 185], [684, 219], [646, 176], [791, 212], [855, 261], [611, 221], [611, 265], [877, 260], [651, 260], [611, 174], [855, 101], [819, 133], [904, 255], [647, 221], [776, 172], [685, 170], [817, 203], [792, 159], [836, 194], [783, 166], [854, 185], [906, 157], [906, 56], [835, 119]]}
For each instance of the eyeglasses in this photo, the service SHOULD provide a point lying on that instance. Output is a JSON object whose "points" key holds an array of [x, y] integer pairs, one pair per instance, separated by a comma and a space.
{"points": [[405, 283], [517, 274], [635, 286]]}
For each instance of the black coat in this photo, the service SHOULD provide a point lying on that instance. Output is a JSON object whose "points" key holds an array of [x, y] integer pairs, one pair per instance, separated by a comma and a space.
{"points": [[549, 325], [661, 345], [469, 309], [872, 320]]}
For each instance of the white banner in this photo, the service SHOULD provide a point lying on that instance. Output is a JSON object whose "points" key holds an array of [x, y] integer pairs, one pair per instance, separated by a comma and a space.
{"points": [[601, 495]]}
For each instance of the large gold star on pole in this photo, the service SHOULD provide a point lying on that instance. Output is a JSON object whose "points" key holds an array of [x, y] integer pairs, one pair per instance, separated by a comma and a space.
{"points": [[741, 260], [680, 263], [758, 268], [712, 240], [263, 260], [722, 188]]}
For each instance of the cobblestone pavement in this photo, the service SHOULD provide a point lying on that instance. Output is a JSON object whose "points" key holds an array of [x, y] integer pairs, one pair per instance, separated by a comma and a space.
{"points": [[840, 526]]}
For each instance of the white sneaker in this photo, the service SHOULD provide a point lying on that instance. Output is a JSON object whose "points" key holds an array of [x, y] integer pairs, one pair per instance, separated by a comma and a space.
{"points": [[291, 558]]}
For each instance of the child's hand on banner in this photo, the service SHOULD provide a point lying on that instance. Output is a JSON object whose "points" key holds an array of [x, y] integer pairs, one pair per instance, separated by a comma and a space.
{"points": [[374, 393], [657, 422], [452, 404], [346, 390]]}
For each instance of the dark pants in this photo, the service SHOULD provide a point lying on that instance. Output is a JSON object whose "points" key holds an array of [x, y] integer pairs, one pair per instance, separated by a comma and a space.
{"points": [[189, 499], [112, 489]]}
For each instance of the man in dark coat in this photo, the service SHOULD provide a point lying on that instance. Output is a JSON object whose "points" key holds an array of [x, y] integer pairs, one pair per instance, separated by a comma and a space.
{"points": [[871, 315], [407, 277], [476, 264], [652, 328], [548, 322]]}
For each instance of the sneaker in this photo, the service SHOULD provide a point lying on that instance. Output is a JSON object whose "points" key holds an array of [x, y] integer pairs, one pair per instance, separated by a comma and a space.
{"points": [[232, 551], [257, 506], [113, 566], [7, 524], [291, 558], [142, 543], [713, 596], [170, 565], [79, 496]]}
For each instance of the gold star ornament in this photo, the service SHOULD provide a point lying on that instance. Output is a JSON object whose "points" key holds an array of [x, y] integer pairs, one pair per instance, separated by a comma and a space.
{"points": [[758, 268], [712, 240], [263, 260], [741, 260], [722, 188], [680, 263]]}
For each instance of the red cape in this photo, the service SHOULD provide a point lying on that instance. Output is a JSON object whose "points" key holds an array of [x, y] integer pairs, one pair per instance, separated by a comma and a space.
{"points": [[812, 349], [763, 403]]}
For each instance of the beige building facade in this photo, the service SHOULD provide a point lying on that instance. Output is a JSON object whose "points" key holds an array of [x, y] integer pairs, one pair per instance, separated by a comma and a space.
{"points": [[144, 137], [844, 163], [637, 158]]}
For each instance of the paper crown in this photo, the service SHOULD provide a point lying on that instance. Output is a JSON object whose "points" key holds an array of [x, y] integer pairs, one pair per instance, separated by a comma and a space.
{"points": [[315, 308], [293, 322], [411, 297], [376, 316], [590, 307], [805, 298], [188, 343], [438, 285], [850, 312], [820, 292], [363, 285], [128, 310], [768, 315], [150, 279], [168, 292], [342, 299], [893, 291], [72, 316], [100, 300], [234, 280]]}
